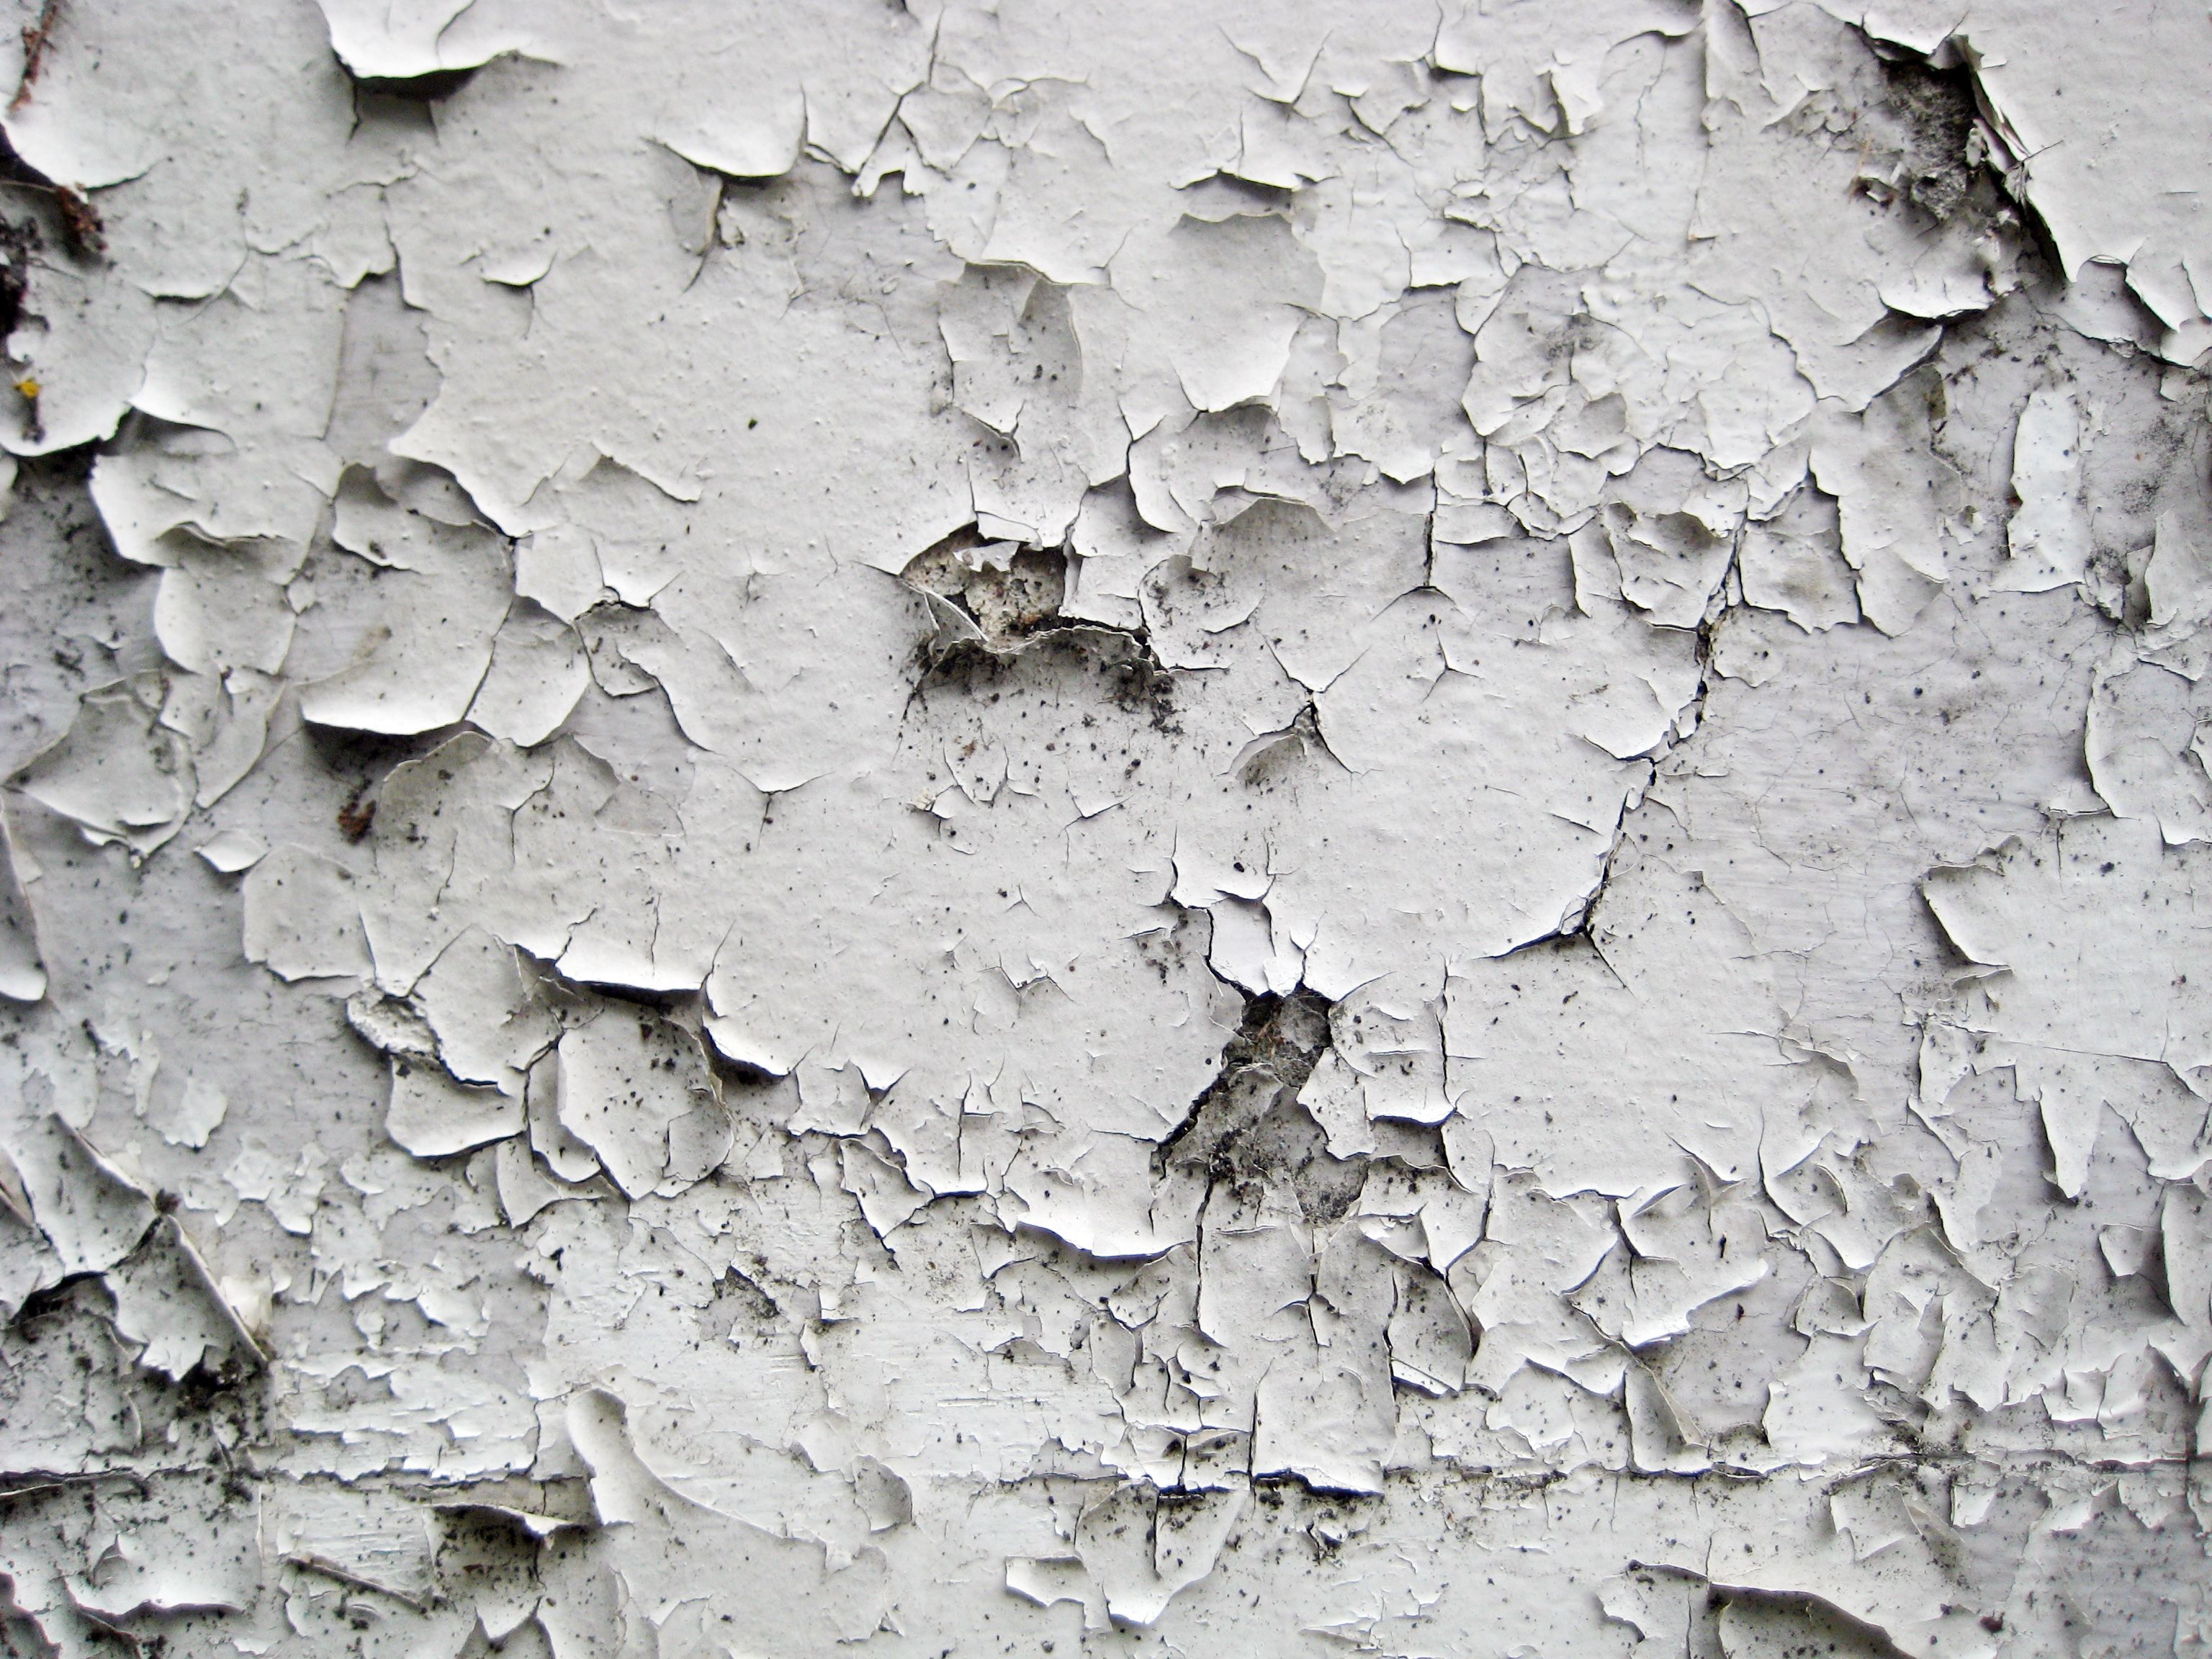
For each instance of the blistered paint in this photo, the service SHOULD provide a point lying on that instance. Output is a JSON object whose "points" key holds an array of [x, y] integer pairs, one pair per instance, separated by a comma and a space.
{"points": [[1023, 828]]}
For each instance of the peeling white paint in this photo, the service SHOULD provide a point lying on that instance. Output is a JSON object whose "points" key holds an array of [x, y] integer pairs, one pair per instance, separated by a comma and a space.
{"points": [[1010, 829]]}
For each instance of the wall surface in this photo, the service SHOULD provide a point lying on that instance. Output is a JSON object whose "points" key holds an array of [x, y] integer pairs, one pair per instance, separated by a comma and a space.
{"points": [[1028, 827]]}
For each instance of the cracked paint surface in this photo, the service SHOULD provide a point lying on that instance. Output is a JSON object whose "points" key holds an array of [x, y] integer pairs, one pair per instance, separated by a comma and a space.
{"points": [[988, 828]]}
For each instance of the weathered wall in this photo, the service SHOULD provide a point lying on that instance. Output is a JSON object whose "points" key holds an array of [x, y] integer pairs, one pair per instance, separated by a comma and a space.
{"points": [[1142, 828]]}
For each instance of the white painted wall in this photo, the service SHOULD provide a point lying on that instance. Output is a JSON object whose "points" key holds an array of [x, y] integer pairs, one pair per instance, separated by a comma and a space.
{"points": [[1119, 830]]}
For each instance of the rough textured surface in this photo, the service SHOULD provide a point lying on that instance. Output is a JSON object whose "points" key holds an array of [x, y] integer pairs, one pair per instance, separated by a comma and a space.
{"points": [[1004, 829]]}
